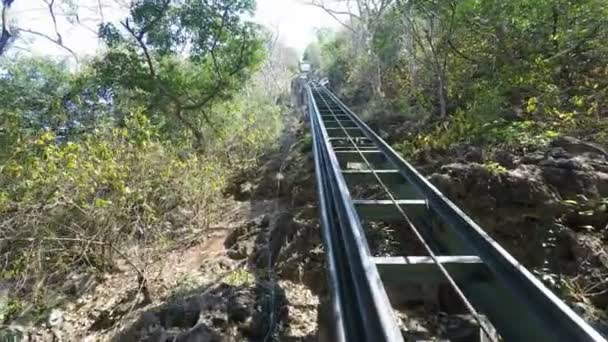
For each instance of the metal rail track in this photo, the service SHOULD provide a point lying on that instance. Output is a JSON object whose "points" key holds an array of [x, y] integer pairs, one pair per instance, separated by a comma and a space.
{"points": [[497, 291]]}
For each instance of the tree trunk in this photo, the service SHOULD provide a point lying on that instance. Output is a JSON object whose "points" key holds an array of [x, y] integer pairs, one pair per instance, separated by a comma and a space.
{"points": [[440, 72], [378, 79], [409, 46], [443, 107], [199, 136]]}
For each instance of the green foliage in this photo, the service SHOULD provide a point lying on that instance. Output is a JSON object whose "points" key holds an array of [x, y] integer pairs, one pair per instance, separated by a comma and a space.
{"points": [[8, 308], [240, 277], [494, 168], [513, 73], [100, 161], [31, 91], [306, 144], [77, 188], [68, 205], [38, 92], [347, 69], [467, 129], [247, 126], [312, 55], [335, 61], [180, 58], [34, 84]]}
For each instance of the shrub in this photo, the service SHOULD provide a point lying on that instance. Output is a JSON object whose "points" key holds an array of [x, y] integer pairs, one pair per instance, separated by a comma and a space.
{"points": [[75, 206]]}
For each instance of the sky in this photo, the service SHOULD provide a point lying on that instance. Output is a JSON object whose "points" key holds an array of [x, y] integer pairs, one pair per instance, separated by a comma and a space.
{"points": [[293, 20]]}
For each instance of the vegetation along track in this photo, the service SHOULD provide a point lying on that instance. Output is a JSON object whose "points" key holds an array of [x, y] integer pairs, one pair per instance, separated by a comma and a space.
{"points": [[403, 252]]}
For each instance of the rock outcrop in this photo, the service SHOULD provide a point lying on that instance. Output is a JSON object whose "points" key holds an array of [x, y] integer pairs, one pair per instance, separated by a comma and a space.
{"points": [[569, 176], [225, 313], [548, 208]]}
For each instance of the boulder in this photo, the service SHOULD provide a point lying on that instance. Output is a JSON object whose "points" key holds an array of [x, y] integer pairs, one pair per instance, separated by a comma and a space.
{"points": [[468, 153], [240, 306], [569, 182], [602, 183], [532, 158], [223, 313], [200, 333], [566, 163], [573, 167], [505, 159], [577, 146], [521, 191]]}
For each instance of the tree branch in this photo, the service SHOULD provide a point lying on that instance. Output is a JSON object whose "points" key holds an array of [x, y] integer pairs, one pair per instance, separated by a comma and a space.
{"points": [[578, 45], [58, 40], [179, 108], [215, 41], [327, 9], [153, 22], [334, 14], [5, 35], [220, 83], [198, 134], [47, 37], [210, 123], [54, 18], [139, 38], [100, 8], [460, 53]]}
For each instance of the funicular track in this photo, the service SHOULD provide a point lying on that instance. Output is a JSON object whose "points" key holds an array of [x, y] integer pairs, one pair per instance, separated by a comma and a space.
{"points": [[392, 239]]}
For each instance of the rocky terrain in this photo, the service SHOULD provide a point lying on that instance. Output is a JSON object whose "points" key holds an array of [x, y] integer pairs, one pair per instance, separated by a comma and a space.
{"points": [[548, 207]]}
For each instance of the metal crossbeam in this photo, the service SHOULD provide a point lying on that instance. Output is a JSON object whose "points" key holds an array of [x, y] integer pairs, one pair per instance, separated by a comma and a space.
{"points": [[422, 269]]}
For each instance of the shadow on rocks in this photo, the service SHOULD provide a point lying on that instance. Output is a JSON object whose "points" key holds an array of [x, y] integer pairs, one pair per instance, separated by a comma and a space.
{"points": [[220, 312]]}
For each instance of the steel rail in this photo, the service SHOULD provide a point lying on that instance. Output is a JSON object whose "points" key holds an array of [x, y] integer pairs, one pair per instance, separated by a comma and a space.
{"points": [[326, 215], [367, 298], [416, 232], [517, 304]]}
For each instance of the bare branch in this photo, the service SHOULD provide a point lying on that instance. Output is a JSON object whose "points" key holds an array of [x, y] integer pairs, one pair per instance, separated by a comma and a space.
{"points": [[103, 19], [58, 40], [54, 18], [141, 277], [81, 22], [49, 38], [324, 7], [334, 14]]}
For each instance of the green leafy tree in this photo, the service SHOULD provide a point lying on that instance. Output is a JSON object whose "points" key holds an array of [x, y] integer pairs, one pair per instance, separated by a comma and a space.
{"points": [[312, 55], [32, 92], [181, 57]]}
